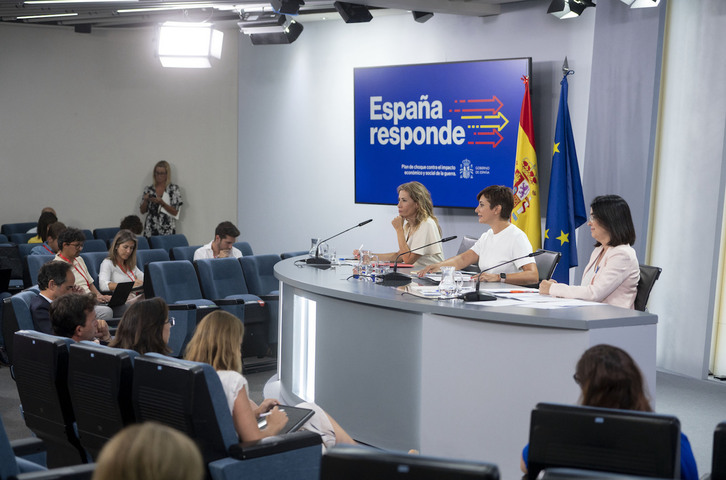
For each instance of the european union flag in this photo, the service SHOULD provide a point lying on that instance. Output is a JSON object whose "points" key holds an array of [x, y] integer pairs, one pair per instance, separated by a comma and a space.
{"points": [[565, 205]]}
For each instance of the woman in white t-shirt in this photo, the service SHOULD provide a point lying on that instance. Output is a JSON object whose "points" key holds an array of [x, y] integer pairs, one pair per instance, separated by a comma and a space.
{"points": [[502, 243], [415, 226], [217, 341]]}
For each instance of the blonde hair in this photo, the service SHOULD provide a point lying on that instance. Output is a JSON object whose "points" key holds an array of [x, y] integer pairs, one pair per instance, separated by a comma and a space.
{"points": [[217, 341], [165, 164], [123, 236], [149, 450], [421, 197]]}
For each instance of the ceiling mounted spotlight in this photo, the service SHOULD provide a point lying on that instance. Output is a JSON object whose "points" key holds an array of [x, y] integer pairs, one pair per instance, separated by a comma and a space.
{"points": [[287, 7], [422, 17], [641, 3], [569, 8], [188, 45], [353, 13], [267, 28]]}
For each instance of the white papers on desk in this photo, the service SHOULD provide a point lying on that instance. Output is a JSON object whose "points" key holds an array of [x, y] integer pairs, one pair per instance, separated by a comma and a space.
{"points": [[544, 301], [437, 276]]}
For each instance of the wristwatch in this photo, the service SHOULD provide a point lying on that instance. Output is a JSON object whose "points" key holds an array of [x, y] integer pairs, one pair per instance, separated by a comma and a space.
{"points": [[503, 277]]}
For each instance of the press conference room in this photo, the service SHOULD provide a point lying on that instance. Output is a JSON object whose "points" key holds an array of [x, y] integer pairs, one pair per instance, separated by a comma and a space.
{"points": [[266, 137]]}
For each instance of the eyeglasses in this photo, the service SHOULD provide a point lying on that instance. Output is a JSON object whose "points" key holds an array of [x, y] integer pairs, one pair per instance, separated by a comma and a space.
{"points": [[170, 321], [160, 173], [77, 245]]}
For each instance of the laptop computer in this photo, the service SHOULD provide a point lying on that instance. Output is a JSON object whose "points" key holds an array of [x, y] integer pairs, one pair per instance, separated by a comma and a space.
{"points": [[120, 294], [296, 417]]}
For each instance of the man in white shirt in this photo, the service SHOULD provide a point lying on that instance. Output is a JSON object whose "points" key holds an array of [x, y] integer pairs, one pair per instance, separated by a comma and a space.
{"points": [[223, 244]]}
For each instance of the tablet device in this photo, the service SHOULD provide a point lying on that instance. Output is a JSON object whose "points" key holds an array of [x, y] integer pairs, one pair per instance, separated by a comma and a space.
{"points": [[296, 417]]}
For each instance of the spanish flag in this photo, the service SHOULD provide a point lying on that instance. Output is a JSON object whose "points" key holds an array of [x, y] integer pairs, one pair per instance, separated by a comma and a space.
{"points": [[525, 213]]}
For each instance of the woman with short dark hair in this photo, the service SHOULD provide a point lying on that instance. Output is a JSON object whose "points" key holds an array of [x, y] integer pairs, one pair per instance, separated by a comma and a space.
{"points": [[613, 272]]}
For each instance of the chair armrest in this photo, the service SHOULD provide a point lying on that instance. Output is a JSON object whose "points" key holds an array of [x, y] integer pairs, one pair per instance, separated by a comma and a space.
{"points": [[275, 444], [75, 472], [27, 446], [229, 301], [270, 298], [182, 306]]}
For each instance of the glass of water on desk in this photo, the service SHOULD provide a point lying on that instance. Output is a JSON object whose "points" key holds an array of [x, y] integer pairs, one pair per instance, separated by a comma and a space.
{"points": [[447, 287]]}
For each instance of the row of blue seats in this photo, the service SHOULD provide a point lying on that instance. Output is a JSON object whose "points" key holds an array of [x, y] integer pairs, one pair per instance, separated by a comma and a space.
{"points": [[76, 396]]}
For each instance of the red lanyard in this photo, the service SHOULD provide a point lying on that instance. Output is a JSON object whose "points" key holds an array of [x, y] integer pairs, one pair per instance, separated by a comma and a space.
{"points": [[129, 274], [77, 269], [46, 247]]}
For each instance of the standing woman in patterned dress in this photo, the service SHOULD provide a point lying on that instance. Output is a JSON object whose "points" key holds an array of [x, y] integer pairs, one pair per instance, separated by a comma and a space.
{"points": [[161, 200]]}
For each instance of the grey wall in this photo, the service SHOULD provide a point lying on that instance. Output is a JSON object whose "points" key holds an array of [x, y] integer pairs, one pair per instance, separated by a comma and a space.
{"points": [[296, 115], [85, 117]]}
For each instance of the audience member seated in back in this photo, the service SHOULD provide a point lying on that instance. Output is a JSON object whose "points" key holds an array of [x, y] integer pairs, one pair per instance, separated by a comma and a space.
{"points": [[120, 266], [223, 244], [145, 327], [217, 342], [133, 223], [72, 316], [613, 272], [70, 244], [609, 378], [34, 230], [502, 243], [148, 451], [50, 245], [54, 280], [46, 218]]}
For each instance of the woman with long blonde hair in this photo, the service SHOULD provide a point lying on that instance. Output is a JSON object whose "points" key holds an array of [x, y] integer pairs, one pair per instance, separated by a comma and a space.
{"points": [[415, 226], [217, 341]]}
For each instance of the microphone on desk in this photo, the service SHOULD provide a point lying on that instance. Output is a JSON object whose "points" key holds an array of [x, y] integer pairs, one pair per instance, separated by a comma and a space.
{"points": [[477, 296], [324, 263], [395, 279]]}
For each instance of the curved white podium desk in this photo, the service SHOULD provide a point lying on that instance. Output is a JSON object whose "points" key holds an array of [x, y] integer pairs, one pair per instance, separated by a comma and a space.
{"points": [[447, 378]]}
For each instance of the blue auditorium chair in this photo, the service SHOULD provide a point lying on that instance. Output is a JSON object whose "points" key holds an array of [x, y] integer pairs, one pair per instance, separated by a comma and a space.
{"points": [[34, 263], [176, 282], [99, 382], [261, 281], [19, 238], [24, 459], [22, 227], [223, 281], [16, 316], [244, 247], [105, 234], [4, 238], [25, 248], [167, 242], [188, 396], [143, 258], [40, 367], [183, 253], [94, 245], [143, 243], [93, 263]]}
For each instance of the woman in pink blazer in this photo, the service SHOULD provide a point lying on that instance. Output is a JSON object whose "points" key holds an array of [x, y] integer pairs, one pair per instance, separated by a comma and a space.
{"points": [[612, 274]]}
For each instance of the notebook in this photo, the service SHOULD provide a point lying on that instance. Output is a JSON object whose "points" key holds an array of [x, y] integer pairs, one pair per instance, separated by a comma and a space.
{"points": [[296, 417]]}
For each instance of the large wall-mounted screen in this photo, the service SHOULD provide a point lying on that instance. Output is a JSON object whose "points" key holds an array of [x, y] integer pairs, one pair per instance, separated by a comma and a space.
{"points": [[451, 126]]}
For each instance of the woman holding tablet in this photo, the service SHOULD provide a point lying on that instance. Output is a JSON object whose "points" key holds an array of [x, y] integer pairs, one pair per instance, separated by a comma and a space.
{"points": [[502, 243], [217, 342], [415, 226]]}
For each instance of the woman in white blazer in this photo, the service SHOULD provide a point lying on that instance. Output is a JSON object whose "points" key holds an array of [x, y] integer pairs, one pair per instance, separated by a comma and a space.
{"points": [[613, 272]]}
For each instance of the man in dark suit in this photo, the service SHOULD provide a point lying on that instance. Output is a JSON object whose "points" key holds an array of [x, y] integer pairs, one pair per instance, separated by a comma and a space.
{"points": [[54, 279]]}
